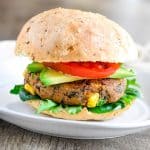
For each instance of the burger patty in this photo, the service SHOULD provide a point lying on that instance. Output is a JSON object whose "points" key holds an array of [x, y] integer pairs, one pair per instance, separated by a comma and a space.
{"points": [[78, 92]]}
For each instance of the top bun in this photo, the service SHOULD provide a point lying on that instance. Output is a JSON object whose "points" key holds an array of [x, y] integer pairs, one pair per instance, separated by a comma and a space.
{"points": [[64, 35]]}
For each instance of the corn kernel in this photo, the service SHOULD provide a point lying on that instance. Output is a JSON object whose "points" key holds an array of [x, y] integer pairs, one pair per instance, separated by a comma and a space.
{"points": [[29, 88], [93, 100]]}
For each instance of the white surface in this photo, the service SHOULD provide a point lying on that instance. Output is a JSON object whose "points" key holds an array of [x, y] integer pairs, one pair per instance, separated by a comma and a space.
{"points": [[16, 112]]}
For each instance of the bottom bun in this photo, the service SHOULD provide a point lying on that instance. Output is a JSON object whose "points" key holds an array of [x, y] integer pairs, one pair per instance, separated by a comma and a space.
{"points": [[83, 115]]}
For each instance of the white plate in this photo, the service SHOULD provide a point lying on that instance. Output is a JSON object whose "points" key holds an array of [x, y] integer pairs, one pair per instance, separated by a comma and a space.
{"points": [[13, 110]]}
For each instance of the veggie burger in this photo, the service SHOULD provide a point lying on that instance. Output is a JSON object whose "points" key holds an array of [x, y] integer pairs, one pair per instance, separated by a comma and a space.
{"points": [[78, 70]]}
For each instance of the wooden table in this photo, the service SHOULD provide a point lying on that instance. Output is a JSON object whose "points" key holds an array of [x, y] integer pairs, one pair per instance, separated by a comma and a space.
{"points": [[133, 15]]}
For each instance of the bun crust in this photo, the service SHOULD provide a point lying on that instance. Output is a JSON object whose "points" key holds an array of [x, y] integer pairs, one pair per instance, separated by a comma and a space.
{"points": [[64, 35], [83, 115]]}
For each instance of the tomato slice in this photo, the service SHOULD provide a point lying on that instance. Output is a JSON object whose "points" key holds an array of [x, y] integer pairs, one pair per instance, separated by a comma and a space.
{"points": [[92, 70]]}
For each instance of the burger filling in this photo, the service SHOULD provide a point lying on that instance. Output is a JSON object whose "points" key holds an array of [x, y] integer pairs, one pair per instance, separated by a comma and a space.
{"points": [[100, 87]]}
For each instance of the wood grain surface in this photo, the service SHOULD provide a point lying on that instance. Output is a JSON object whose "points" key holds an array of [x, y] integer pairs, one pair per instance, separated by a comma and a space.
{"points": [[133, 15], [16, 138]]}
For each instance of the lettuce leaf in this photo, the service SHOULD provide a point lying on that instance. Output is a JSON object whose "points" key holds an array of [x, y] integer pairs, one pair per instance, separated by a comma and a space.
{"points": [[107, 107], [46, 105], [16, 89], [54, 107], [57, 108], [25, 96], [73, 109], [101, 102]]}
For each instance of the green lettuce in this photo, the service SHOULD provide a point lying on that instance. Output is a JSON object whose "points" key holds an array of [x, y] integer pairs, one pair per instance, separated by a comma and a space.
{"points": [[73, 109], [16, 89], [23, 94], [46, 105], [55, 107], [107, 107]]}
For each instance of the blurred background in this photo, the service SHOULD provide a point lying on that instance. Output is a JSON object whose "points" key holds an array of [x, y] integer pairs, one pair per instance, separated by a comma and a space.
{"points": [[133, 15]]}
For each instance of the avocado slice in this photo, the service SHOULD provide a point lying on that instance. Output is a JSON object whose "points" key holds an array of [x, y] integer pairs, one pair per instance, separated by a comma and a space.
{"points": [[52, 77], [35, 67], [123, 72]]}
